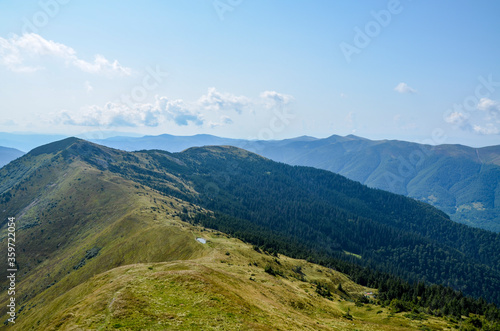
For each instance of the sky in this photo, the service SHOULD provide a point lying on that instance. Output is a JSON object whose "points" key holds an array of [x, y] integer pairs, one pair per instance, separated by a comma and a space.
{"points": [[423, 71]]}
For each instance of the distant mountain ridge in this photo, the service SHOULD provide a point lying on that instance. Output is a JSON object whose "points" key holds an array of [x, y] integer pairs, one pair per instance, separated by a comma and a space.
{"points": [[27, 141], [462, 181], [9, 154]]}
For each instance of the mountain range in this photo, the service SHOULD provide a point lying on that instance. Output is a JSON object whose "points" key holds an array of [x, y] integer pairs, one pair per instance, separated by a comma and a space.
{"points": [[27, 141], [108, 239], [462, 181], [8, 154]]}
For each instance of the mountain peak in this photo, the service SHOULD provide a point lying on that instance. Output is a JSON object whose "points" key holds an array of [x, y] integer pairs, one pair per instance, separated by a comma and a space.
{"points": [[55, 147], [221, 152]]}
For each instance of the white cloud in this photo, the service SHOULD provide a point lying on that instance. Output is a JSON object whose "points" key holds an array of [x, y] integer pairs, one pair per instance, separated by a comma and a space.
{"points": [[217, 101], [145, 115], [224, 120], [459, 120], [273, 99], [485, 121], [404, 88], [488, 129], [112, 114], [456, 118], [491, 120], [25, 53], [488, 105], [209, 110], [178, 111]]}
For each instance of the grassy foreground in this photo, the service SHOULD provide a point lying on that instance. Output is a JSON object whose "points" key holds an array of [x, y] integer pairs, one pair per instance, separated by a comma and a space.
{"points": [[227, 288]]}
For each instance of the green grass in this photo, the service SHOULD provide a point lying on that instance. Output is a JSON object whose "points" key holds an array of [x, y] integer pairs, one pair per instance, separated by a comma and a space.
{"points": [[202, 293]]}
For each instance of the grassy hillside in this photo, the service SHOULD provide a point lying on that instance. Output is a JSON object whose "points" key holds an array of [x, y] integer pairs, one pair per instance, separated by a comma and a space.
{"points": [[317, 211], [66, 210], [100, 249], [227, 289]]}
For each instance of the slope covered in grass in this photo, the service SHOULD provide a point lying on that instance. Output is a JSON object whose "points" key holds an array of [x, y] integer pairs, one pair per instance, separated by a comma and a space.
{"points": [[227, 288]]}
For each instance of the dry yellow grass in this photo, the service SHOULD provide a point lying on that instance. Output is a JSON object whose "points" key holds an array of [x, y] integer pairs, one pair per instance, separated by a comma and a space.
{"points": [[226, 288]]}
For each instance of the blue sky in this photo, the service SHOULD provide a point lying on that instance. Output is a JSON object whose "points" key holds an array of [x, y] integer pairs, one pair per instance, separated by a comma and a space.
{"points": [[425, 71]]}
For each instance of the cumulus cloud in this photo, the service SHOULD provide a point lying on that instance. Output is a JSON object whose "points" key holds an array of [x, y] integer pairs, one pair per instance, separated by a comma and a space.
{"points": [[273, 99], [456, 118], [224, 120], [218, 101], [404, 88], [484, 119], [113, 114], [24, 54], [492, 120], [487, 129], [212, 110], [178, 111], [489, 105]]}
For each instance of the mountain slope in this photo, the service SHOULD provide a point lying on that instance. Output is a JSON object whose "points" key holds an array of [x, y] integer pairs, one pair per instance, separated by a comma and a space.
{"points": [[166, 142], [99, 251], [222, 292], [461, 181], [69, 213], [8, 154], [330, 214], [303, 212]]}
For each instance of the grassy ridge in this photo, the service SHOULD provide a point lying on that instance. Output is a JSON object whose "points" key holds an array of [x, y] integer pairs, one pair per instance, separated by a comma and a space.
{"points": [[226, 288], [61, 219]]}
